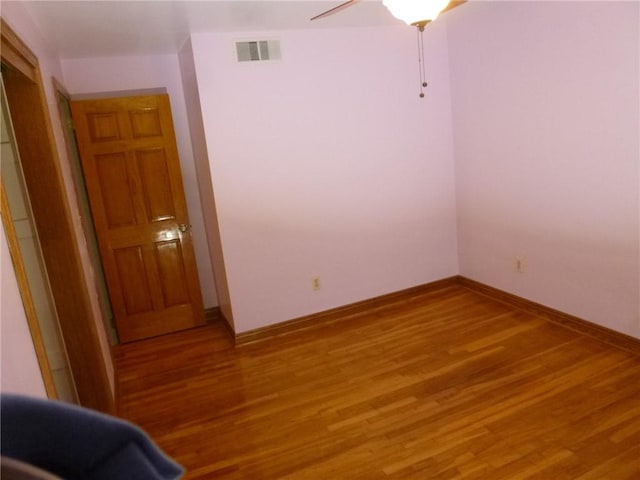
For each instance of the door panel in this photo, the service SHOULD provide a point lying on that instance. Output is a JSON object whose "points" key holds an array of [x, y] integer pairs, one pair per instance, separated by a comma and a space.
{"points": [[112, 177], [131, 167], [155, 184]]}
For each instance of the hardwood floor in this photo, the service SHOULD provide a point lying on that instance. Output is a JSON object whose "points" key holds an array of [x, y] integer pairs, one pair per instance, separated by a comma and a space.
{"points": [[436, 385]]}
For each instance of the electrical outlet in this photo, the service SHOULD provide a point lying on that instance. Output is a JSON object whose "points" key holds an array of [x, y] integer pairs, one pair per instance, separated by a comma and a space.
{"points": [[520, 264], [315, 283]]}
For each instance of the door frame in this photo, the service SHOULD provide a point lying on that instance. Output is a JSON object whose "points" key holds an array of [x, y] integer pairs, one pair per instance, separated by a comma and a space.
{"points": [[88, 226], [54, 223], [26, 296]]}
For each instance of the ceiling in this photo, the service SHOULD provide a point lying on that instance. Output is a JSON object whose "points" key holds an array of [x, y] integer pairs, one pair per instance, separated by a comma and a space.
{"points": [[94, 28]]}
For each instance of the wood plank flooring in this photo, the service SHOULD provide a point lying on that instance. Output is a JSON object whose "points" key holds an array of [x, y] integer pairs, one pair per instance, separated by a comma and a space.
{"points": [[441, 384]]}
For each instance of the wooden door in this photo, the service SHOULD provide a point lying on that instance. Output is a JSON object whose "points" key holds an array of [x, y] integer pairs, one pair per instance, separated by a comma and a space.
{"points": [[131, 167]]}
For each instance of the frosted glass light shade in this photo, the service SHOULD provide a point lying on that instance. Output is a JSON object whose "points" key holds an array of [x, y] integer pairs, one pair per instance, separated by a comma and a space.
{"points": [[414, 11]]}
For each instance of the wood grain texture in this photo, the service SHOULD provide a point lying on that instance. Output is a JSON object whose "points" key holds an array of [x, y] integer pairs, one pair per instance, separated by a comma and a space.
{"points": [[438, 384], [612, 337], [134, 184], [333, 315]]}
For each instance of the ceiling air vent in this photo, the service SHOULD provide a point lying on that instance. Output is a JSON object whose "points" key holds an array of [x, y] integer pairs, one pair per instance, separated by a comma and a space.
{"points": [[258, 50]]}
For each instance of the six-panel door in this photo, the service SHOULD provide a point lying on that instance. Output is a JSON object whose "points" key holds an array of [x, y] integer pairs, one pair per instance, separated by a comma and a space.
{"points": [[133, 179]]}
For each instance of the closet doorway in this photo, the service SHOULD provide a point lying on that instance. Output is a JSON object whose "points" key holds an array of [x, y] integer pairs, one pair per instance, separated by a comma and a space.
{"points": [[25, 249], [88, 358]]}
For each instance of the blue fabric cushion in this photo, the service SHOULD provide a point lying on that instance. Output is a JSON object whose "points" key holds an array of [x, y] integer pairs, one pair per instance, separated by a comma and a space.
{"points": [[78, 443]]}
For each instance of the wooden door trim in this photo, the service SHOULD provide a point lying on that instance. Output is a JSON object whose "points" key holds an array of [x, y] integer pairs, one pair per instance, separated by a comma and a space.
{"points": [[25, 294], [17, 54], [54, 222], [80, 188]]}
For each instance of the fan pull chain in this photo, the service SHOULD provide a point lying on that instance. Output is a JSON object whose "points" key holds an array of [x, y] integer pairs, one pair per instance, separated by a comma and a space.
{"points": [[423, 81]]}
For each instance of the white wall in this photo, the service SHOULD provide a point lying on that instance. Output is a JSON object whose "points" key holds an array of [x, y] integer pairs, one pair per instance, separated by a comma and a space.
{"points": [[327, 163], [20, 371], [114, 74], [545, 119], [203, 174]]}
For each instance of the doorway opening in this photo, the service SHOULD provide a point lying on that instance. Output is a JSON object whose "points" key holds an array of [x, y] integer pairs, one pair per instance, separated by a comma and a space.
{"points": [[20, 215], [88, 352]]}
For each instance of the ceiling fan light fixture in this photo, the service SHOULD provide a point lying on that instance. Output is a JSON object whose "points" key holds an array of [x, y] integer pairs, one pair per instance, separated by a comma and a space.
{"points": [[415, 12]]}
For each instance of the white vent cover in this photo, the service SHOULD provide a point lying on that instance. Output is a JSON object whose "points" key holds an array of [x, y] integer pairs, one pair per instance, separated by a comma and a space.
{"points": [[258, 50]]}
